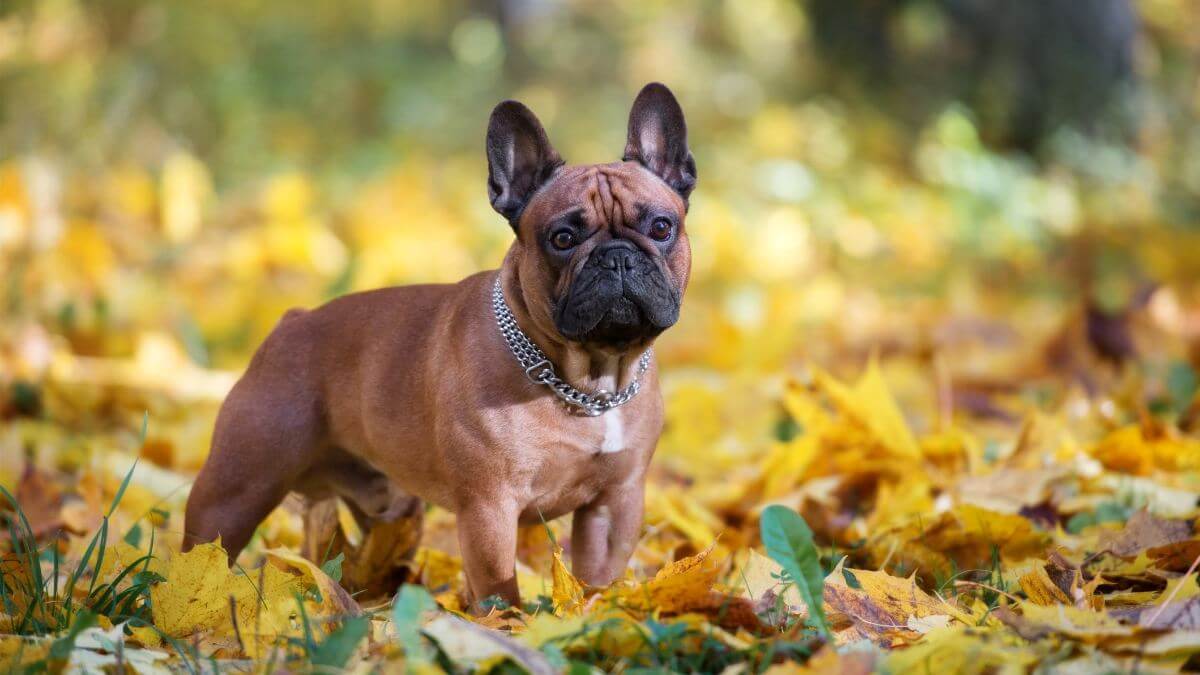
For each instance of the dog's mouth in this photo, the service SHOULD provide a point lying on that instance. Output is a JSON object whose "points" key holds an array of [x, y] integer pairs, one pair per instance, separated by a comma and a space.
{"points": [[619, 305], [624, 323]]}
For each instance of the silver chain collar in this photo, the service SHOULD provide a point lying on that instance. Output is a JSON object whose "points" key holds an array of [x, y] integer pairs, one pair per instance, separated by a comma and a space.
{"points": [[540, 370]]}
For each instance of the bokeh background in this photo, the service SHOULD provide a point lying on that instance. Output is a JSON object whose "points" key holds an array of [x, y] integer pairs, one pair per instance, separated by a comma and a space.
{"points": [[1001, 199]]}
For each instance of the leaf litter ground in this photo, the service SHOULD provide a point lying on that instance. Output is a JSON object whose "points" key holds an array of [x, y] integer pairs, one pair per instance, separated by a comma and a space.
{"points": [[1064, 541]]}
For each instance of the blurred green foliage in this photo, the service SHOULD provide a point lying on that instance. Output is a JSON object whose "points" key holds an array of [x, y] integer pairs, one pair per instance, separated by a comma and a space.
{"points": [[204, 165]]}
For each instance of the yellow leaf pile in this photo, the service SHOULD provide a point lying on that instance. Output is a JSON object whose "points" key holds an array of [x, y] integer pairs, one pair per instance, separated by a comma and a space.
{"points": [[202, 600], [974, 372]]}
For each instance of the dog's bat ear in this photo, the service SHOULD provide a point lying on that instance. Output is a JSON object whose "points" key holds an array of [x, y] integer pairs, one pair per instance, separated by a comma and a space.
{"points": [[658, 138], [520, 158]]}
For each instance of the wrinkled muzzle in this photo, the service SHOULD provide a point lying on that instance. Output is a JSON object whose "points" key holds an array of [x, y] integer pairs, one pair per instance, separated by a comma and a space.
{"points": [[619, 296]]}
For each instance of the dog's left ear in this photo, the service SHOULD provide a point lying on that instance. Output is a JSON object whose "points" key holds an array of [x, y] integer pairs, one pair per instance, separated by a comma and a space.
{"points": [[658, 138], [520, 158]]}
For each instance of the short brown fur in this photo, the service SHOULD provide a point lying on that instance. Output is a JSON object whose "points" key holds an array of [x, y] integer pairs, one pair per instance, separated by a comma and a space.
{"points": [[413, 391]]}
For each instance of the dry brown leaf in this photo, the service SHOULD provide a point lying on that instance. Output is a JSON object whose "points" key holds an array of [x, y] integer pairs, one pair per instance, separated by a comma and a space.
{"points": [[1176, 557], [1145, 531], [378, 559], [41, 501], [881, 605], [1173, 615], [1009, 490]]}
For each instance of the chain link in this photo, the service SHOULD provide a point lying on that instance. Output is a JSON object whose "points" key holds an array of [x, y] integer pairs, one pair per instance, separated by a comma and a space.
{"points": [[540, 370]]}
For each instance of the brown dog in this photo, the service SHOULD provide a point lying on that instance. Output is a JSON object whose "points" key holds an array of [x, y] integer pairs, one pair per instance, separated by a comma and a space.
{"points": [[437, 391]]}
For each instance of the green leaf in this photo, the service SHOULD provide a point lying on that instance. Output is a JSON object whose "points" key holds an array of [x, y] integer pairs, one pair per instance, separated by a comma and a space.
{"points": [[411, 604], [333, 568], [789, 542], [337, 649]]}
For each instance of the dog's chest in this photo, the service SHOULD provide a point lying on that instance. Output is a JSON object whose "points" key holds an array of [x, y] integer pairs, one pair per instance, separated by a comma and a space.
{"points": [[582, 460], [612, 433], [612, 437]]}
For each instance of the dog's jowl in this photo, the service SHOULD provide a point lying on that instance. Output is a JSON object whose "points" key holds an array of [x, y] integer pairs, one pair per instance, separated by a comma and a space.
{"points": [[513, 395]]}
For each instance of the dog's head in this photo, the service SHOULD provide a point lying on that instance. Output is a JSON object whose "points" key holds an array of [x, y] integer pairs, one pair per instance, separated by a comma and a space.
{"points": [[603, 254]]}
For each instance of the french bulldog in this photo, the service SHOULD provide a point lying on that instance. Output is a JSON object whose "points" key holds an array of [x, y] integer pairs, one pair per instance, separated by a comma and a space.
{"points": [[512, 397]]}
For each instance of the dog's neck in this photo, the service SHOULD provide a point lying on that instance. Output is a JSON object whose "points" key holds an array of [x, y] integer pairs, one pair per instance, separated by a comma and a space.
{"points": [[586, 369]]}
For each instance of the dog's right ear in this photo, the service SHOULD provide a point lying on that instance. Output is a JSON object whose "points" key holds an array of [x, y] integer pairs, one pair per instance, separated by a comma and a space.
{"points": [[520, 158]]}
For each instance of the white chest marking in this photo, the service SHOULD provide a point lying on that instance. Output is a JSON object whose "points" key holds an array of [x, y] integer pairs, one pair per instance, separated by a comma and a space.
{"points": [[614, 432]]}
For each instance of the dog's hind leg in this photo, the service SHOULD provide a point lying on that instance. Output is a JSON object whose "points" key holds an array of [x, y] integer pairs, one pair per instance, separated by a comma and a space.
{"points": [[265, 438], [380, 543]]}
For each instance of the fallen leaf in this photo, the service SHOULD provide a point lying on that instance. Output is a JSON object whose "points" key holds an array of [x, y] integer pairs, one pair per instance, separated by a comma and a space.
{"points": [[1145, 531], [568, 591], [760, 575], [202, 599], [1173, 615], [870, 403], [468, 644], [335, 601], [1084, 624], [676, 588], [962, 649], [925, 624], [881, 604], [1009, 490], [1176, 557], [41, 502], [1041, 589]]}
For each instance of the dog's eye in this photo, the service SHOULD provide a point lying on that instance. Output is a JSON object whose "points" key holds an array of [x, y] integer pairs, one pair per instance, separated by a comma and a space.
{"points": [[660, 229], [563, 239]]}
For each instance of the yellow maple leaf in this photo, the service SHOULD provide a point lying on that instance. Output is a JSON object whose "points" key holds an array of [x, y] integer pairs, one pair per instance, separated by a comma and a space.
{"points": [[1130, 449], [545, 627], [202, 599], [17, 650], [684, 513], [568, 591], [677, 587], [335, 601], [757, 575], [438, 569], [882, 603], [1083, 624], [195, 594], [1182, 588], [962, 538], [870, 404], [964, 649], [121, 555], [786, 465]]}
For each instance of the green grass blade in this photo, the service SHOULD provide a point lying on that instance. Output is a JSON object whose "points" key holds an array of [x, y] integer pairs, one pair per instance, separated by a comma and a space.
{"points": [[129, 474]]}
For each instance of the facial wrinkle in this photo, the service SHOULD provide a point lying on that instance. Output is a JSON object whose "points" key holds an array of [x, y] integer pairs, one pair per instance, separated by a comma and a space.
{"points": [[606, 197], [595, 198], [618, 187]]}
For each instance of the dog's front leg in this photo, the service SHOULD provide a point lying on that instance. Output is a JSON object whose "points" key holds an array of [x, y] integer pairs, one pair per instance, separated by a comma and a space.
{"points": [[487, 535], [605, 532]]}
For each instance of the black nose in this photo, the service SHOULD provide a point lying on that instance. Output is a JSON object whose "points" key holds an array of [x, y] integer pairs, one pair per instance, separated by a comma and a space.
{"points": [[616, 254]]}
